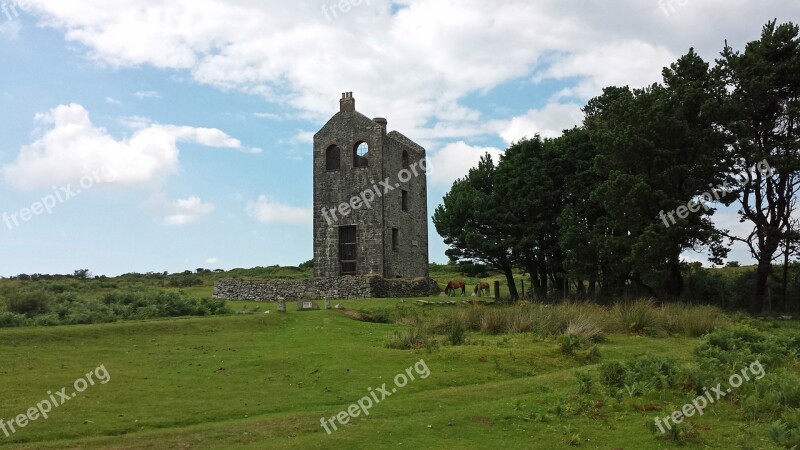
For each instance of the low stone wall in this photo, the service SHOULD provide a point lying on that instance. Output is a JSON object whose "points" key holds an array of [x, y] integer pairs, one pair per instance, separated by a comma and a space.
{"points": [[327, 287]]}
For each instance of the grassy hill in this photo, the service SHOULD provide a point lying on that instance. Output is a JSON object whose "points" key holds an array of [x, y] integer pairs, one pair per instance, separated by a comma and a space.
{"points": [[499, 376], [264, 380]]}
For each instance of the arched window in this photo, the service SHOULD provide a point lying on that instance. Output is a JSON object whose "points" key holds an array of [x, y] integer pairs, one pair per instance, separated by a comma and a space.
{"points": [[405, 160], [332, 158], [361, 155]]}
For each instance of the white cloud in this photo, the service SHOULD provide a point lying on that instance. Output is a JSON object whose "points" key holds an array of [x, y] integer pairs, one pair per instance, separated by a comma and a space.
{"points": [[209, 137], [267, 210], [304, 137], [113, 101], [634, 63], [270, 116], [414, 64], [72, 147], [454, 161], [549, 121], [141, 95], [185, 211], [212, 260]]}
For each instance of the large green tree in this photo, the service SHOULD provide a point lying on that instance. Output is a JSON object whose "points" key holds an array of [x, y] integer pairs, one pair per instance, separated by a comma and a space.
{"points": [[470, 221], [761, 117], [529, 186], [658, 150]]}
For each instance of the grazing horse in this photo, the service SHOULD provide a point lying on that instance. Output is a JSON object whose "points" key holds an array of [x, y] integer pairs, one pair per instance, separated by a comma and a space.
{"points": [[480, 289], [453, 285]]}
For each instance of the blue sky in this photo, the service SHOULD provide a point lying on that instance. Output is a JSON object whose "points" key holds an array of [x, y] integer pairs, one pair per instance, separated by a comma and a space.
{"points": [[190, 123]]}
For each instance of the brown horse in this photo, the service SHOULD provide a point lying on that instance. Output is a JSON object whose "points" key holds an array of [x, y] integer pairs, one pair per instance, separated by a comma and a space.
{"points": [[453, 285], [481, 288]]}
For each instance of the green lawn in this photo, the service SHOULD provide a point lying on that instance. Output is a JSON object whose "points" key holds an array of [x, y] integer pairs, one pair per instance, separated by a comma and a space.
{"points": [[265, 380]]}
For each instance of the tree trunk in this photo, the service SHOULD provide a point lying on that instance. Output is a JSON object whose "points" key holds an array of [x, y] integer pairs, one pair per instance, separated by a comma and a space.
{"points": [[512, 286], [674, 283], [762, 276], [542, 282]]}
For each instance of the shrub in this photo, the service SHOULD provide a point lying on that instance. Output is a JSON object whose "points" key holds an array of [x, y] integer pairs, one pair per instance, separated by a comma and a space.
{"points": [[584, 382], [28, 303], [9, 319], [568, 344], [740, 345], [773, 395], [657, 371], [784, 434], [640, 373], [184, 281], [613, 374]]}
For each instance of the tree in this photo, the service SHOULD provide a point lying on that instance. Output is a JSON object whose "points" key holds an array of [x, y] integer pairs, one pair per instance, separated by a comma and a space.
{"points": [[657, 151], [82, 274], [468, 221], [761, 117], [530, 184]]}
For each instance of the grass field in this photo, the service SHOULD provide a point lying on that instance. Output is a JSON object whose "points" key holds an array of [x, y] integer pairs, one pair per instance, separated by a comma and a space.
{"points": [[263, 379]]}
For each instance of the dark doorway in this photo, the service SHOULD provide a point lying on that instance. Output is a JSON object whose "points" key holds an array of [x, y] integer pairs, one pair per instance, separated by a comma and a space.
{"points": [[347, 250]]}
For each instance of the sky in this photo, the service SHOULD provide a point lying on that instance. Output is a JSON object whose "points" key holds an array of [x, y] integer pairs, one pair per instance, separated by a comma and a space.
{"points": [[165, 135]]}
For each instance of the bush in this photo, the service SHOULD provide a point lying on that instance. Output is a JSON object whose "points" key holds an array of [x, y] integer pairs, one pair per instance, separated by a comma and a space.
{"points": [[786, 433], [641, 373], [28, 303], [184, 281], [568, 344], [584, 382], [739, 345], [773, 395], [613, 374], [9, 319]]}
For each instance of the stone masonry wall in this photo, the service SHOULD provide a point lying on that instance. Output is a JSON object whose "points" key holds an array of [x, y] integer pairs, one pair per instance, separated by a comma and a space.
{"points": [[328, 287]]}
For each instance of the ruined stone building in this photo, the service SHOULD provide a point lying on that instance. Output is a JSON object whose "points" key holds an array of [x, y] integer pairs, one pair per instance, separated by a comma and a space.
{"points": [[370, 198]]}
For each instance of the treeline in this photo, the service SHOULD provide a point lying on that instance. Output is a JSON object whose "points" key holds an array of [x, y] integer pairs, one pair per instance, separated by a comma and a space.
{"points": [[606, 209]]}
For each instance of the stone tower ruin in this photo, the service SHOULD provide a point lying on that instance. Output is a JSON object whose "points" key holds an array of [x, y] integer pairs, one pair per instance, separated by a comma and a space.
{"points": [[370, 199]]}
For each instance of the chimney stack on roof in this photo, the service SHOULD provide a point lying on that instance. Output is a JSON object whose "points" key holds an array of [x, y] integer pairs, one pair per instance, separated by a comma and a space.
{"points": [[347, 103]]}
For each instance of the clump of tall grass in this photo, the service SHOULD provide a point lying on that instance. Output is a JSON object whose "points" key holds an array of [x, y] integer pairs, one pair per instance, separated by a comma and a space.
{"points": [[585, 329], [690, 320], [412, 339], [589, 320], [637, 316]]}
